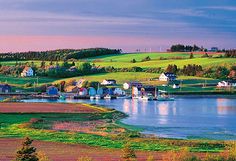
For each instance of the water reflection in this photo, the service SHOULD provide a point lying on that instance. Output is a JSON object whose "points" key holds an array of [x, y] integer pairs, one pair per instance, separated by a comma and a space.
{"points": [[225, 107], [212, 118]]}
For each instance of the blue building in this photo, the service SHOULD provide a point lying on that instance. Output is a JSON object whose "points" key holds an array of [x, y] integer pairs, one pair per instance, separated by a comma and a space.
{"points": [[52, 90], [5, 88]]}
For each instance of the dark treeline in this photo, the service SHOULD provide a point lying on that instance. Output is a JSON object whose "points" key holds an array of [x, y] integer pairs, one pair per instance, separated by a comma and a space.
{"points": [[58, 55], [230, 53], [187, 48]]}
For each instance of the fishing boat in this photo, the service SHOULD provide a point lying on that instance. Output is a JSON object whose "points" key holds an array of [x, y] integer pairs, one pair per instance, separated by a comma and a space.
{"points": [[97, 97], [107, 97], [164, 96], [92, 97], [148, 97], [62, 97]]}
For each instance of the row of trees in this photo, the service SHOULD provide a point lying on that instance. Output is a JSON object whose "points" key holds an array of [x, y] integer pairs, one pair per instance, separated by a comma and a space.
{"points": [[230, 53], [187, 48], [219, 72], [56, 55]]}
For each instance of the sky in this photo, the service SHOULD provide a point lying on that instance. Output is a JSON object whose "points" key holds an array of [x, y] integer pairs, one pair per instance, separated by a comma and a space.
{"points": [[148, 25]]}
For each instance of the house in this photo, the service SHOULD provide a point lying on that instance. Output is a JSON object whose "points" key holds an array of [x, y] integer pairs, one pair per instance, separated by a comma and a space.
{"points": [[80, 83], [27, 72], [52, 90], [5, 88], [148, 90], [232, 74], [167, 77], [83, 91], [71, 89], [214, 49], [108, 82], [228, 83], [132, 84]]}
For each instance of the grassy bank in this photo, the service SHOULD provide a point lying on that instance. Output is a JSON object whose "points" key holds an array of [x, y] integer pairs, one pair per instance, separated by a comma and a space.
{"points": [[107, 133]]}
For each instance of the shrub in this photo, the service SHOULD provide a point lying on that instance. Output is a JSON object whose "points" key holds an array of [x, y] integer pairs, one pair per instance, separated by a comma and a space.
{"points": [[42, 156], [133, 61], [128, 153], [84, 159], [146, 59]]}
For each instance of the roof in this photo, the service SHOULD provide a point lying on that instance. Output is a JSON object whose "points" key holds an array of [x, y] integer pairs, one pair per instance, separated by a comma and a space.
{"points": [[110, 80], [230, 81], [51, 87], [27, 68], [4, 85], [168, 74]]}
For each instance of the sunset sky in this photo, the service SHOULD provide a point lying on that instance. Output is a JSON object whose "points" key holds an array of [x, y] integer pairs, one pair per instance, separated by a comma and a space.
{"points": [[127, 24]]}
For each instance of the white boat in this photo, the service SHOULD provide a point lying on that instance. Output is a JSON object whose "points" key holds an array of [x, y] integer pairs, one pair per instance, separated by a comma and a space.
{"points": [[164, 96], [148, 97], [108, 97], [97, 97], [92, 97]]}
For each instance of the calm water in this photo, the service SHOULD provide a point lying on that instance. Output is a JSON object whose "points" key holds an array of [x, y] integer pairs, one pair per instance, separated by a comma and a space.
{"points": [[211, 118]]}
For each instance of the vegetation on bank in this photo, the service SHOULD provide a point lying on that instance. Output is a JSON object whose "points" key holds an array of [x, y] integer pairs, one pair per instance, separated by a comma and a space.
{"points": [[38, 126]]}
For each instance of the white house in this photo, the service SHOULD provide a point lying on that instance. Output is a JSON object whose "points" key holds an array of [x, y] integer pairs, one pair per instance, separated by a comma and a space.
{"points": [[225, 84], [167, 77], [108, 82], [27, 72]]}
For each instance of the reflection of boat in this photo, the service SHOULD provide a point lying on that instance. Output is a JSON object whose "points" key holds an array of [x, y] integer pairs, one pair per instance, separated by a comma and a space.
{"points": [[123, 97], [164, 96], [108, 97], [148, 97], [97, 97]]}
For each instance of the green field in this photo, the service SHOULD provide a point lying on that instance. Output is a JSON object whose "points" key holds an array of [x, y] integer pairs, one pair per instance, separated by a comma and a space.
{"points": [[123, 60], [21, 81]]}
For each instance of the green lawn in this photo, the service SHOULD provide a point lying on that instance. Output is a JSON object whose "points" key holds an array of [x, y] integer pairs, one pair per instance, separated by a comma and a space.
{"points": [[20, 81], [205, 62]]}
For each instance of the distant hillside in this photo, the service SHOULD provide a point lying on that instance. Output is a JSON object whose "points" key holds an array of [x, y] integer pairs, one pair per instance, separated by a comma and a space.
{"points": [[57, 55]]}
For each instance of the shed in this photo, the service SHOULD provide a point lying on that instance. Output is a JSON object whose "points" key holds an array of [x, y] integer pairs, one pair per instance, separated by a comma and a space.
{"points": [[83, 91], [5, 88], [92, 91], [52, 90]]}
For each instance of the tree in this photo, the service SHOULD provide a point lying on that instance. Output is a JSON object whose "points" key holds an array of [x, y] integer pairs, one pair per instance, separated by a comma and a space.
{"points": [[27, 152], [85, 68], [133, 61], [191, 56], [128, 153]]}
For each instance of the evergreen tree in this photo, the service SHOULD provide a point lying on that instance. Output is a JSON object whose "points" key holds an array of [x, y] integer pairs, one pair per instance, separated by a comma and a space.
{"points": [[27, 152]]}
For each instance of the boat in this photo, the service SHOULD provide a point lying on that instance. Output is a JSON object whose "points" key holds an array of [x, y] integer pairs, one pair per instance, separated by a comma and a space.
{"points": [[62, 97], [148, 97], [97, 97], [92, 97], [164, 96], [108, 97]]}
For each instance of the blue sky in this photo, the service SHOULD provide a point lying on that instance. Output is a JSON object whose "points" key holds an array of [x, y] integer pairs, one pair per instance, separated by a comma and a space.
{"points": [[126, 24]]}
